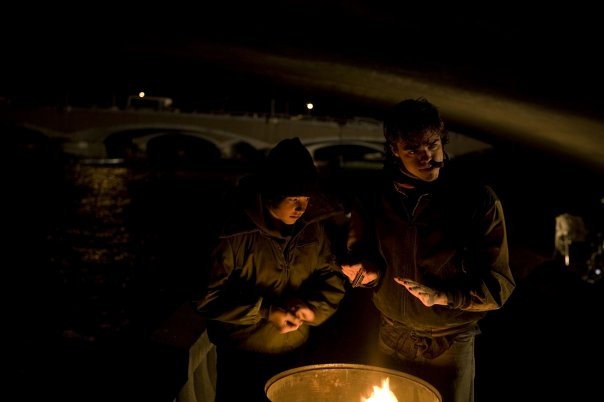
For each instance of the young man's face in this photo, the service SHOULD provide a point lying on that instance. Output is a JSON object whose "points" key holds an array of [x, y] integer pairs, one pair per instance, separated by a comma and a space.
{"points": [[290, 209], [417, 157]]}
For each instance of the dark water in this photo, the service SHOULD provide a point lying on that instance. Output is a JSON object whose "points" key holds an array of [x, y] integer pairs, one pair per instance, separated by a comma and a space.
{"points": [[100, 255], [120, 244]]}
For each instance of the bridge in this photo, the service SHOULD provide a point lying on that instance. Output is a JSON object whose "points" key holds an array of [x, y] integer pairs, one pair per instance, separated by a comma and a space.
{"points": [[85, 130]]}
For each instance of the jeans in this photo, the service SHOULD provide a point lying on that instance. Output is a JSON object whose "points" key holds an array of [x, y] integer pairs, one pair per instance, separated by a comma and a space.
{"points": [[447, 364]]}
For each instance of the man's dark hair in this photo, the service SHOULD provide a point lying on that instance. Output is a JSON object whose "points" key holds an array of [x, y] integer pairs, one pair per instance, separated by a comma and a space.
{"points": [[411, 119]]}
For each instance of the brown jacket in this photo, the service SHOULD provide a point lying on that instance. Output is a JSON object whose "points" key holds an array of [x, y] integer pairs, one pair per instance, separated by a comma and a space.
{"points": [[253, 267], [451, 236]]}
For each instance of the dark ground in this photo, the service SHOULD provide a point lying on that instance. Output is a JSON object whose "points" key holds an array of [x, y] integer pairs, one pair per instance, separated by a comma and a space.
{"points": [[101, 255]]}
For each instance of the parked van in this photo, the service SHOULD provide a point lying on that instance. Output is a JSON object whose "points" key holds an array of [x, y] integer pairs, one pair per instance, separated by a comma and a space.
{"points": [[149, 102]]}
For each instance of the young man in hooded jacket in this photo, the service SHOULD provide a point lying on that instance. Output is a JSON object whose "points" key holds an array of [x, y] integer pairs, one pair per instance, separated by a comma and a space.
{"points": [[273, 274], [434, 247]]}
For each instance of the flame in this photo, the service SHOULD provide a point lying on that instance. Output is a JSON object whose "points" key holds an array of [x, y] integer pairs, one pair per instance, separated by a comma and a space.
{"points": [[383, 394]]}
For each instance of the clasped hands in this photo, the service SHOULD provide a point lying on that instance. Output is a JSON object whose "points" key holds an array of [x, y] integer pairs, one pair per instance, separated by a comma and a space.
{"points": [[291, 316]]}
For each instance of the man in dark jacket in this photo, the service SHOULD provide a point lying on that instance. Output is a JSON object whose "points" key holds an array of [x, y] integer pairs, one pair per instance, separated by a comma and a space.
{"points": [[434, 248], [273, 274]]}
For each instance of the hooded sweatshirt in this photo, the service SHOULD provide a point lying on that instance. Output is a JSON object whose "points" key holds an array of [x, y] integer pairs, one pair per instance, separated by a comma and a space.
{"points": [[254, 267]]}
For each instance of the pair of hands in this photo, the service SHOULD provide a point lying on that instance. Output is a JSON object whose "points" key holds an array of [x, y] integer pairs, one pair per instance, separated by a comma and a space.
{"points": [[427, 295], [291, 317]]}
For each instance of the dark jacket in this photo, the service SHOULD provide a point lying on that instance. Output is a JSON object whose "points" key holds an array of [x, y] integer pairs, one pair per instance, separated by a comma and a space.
{"points": [[254, 267], [449, 235]]}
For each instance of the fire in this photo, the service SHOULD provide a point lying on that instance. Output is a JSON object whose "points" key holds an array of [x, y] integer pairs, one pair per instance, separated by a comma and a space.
{"points": [[383, 394]]}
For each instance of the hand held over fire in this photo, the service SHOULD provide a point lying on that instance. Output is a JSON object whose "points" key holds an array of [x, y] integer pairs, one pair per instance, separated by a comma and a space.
{"points": [[292, 316], [300, 309], [358, 275], [428, 296], [283, 320]]}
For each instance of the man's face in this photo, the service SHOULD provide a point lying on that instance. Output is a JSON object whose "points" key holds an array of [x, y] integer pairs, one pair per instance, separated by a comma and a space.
{"points": [[417, 157], [290, 209]]}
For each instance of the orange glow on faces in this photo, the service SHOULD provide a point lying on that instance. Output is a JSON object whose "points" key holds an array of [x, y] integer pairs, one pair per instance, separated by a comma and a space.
{"points": [[290, 209]]}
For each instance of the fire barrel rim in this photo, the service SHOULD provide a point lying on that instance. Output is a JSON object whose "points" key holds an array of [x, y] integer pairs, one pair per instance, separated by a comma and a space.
{"points": [[313, 382]]}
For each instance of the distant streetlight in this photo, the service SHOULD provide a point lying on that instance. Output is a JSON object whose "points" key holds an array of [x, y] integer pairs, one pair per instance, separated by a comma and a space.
{"points": [[309, 107]]}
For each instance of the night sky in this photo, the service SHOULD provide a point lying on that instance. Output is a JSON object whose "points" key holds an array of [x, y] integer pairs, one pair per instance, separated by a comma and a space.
{"points": [[100, 55]]}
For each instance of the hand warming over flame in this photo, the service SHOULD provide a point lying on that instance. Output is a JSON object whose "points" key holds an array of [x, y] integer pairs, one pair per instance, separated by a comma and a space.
{"points": [[425, 294], [283, 320], [358, 275], [300, 309], [290, 317]]}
